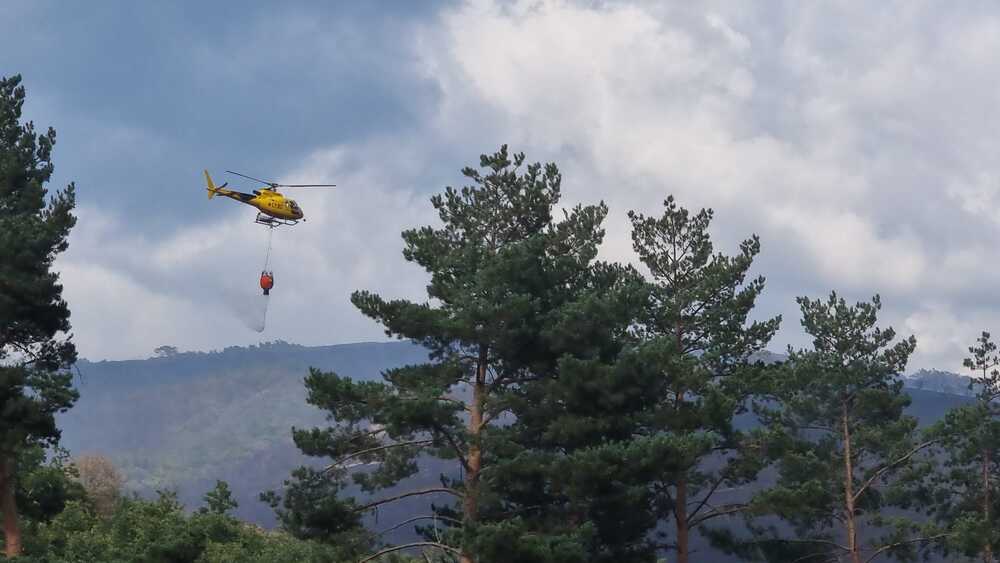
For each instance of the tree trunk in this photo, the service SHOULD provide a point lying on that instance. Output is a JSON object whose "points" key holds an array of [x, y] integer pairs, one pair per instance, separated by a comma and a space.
{"points": [[680, 515], [470, 505], [988, 548], [852, 531], [8, 507], [680, 504]]}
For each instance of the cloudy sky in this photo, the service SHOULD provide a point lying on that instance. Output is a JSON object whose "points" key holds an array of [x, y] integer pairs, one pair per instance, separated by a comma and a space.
{"points": [[858, 139]]}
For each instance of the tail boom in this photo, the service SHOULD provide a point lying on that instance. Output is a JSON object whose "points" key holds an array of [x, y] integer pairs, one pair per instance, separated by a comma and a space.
{"points": [[212, 190]]}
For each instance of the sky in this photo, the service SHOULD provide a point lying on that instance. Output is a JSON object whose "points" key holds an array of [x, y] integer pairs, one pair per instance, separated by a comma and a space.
{"points": [[857, 139]]}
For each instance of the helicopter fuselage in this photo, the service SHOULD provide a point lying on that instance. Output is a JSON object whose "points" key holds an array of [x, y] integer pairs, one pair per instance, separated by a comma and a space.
{"points": [[269, 202]]}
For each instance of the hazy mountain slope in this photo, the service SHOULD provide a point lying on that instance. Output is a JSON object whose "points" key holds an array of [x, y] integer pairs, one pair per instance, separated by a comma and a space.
{"points": [[942, 382], [185, 420]]}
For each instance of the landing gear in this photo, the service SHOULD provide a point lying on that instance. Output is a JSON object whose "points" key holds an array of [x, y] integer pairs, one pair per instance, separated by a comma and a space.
{"points": [[272, 222]]}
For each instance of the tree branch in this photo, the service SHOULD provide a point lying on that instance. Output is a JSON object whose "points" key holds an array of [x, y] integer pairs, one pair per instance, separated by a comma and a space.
{"points": [[716, 512], [813, 427], [454, 445], [707, 496], [663, 489], [451, 400], [811, 556], [491, 416], [376, 449], [884, 548], [515, 380], [387, 550], [819, 542], [27, 351], [890, 466], [415, 518], [427, 491], [367, 434]]}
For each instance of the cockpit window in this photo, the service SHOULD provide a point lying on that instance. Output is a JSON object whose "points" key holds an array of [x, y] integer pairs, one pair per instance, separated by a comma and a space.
{"points": [[293, 205]]}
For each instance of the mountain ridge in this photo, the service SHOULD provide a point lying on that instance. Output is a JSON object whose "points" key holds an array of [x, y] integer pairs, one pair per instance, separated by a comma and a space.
{"points": [[181, 420]]}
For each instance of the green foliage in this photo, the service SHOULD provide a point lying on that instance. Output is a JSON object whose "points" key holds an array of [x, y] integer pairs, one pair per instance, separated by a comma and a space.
{"points": [[159, 531], [219, 500], [269, 548], [848, 455], [506, 279], [33, 230], [966, 495], [35, 383], [665, 405], [46, 483], [313, 508], [512, 541]]}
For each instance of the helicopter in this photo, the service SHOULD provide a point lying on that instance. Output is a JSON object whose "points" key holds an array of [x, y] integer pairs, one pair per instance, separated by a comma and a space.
{"points": [[274, 208]]}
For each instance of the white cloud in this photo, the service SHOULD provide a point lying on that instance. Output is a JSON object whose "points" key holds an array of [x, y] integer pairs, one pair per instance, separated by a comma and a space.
{"points": [[943, 337], [858, 140], [844, 247], [822, 130], [979, 197], [115, 316], [196, 288]]}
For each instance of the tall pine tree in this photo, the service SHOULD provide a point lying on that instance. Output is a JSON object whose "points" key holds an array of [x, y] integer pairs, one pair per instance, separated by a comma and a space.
{"points": [[35, 354], [849, 453], [696, 347], [572, 469], [503, 272], [969, 444]]}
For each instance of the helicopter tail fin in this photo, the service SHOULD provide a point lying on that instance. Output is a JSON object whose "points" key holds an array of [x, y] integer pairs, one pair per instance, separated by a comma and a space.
{"points": [[212, 190]]}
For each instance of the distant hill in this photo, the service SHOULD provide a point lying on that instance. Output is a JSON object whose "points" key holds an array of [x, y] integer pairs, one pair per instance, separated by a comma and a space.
{"points": [[942, 382], [923, 379], [183, 420]]}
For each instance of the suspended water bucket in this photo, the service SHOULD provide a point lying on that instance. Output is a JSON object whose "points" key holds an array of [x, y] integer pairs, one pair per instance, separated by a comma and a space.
{"points": [[266, 281]]}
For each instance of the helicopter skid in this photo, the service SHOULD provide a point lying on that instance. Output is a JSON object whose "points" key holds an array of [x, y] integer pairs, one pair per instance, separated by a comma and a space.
{"points": [[273, 222]]}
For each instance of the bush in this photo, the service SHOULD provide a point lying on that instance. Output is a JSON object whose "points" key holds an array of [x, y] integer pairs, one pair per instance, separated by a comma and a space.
{"points": [[160, 531]]}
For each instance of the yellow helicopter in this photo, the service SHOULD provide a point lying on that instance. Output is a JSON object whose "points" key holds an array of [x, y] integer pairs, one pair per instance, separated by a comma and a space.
{"points": [[274, 208]]}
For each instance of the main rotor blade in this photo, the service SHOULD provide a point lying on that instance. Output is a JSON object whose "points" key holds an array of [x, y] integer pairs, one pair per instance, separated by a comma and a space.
{"points": [[307, 185], [252, 178]]}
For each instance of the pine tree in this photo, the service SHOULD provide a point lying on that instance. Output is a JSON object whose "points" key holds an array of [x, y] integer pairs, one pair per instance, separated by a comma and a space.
{"points": [[969, 444], [503, 271], [219, 500], [313, 508], [34, 359], [571, 476], [849, 452], [695, 359]]}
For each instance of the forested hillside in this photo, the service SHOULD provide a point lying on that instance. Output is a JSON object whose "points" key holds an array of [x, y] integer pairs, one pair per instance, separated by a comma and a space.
{"points": [[183, 420]]}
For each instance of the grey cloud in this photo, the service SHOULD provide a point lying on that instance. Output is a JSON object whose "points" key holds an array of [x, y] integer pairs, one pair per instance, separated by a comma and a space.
{"points": [[856, 139], [145, 96], [855, 118]]}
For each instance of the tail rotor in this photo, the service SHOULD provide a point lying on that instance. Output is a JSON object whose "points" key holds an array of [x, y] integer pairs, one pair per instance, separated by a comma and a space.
{"points": [[212, 189]]}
